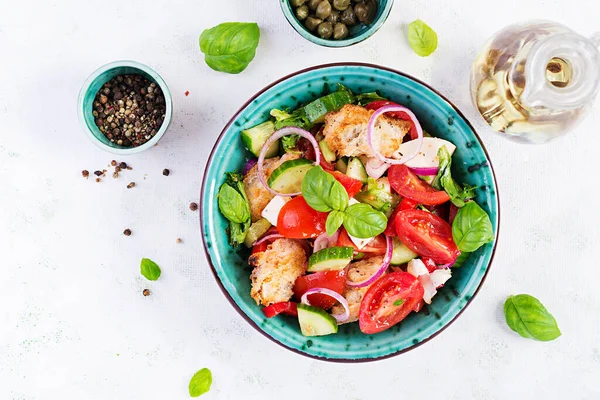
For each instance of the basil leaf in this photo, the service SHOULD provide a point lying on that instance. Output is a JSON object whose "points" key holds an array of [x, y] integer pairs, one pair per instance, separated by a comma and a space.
{"points": [[443, 180], [471, 228], [232, 205], [461, 259], [529, 318], [237, 232], [323, 192], [200, 382], [365, 98], [149, 269], [362, 221], [229, 47], [421, 38], [335, 219]]}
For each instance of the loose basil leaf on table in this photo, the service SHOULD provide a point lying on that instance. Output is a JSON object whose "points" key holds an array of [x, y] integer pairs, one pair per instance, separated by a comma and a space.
{"points": [[421, 38], [229, 47], [362, 221], [323, 192], [471, 228], [335, 219], [529, 318], [443, 180], [200, 382], [149, 269]]}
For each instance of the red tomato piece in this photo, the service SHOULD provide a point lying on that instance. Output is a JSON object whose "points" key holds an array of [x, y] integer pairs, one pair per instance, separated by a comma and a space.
{"points": [[405, 204], [429, 263], [419, 305], [376, 246], [394, 114], [298, 220], [308, 151], [351, 185], [388, 301], [259, 248], [286, 307], [407, 184], [333, 280], [427, 235]]}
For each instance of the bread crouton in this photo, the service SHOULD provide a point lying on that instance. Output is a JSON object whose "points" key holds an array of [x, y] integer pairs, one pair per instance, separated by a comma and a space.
{"points": [[258, 195], [346, 132], [276, 270], [357, 272]]}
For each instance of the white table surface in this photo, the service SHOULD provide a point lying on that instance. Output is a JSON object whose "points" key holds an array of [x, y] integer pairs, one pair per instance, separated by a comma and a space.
{"points": [[73, 321]]}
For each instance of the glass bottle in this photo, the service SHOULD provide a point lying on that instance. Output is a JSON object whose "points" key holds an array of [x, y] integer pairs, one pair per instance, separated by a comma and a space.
{"points": [[534, 81]]}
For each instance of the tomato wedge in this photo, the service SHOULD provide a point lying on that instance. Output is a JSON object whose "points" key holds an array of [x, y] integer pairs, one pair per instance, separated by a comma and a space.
{"points": [[405, 204], [351, 185], [427, 235], [298, 220], [333, 280], [419, 305], [376, 246], [429, 263], [286, 307], [388, 301], [374, 105], [407, 184], [259, 248], [309, 153]]}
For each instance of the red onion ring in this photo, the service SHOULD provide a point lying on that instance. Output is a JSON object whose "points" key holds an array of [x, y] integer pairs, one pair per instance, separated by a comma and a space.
{"points": [[371, 128], [328, 292], [425, 171], [376, 168], [444, 266], [272, 233], [289, 130], [251, 163], [384, 266], [324, 240]]}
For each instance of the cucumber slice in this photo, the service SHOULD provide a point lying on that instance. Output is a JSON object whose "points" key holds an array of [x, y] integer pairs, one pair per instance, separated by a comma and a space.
{"points": [[254, 139], [332, 258], [342, 165], [316, 110], [315, 321], [256, 230], [401, 253], [327, 153], [287, 178], [356, 170]]}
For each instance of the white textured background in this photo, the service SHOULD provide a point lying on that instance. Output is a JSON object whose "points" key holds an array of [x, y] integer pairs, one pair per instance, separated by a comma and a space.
{"points": [[73, 321]]}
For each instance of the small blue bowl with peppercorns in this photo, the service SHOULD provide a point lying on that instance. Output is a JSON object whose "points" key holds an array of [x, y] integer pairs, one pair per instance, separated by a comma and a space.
{"points": [[125, 107]]}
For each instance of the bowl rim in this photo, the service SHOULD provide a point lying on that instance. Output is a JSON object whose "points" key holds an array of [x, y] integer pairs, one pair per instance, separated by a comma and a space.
{"points": [[158, 80], [203, 233], [301, 30]]}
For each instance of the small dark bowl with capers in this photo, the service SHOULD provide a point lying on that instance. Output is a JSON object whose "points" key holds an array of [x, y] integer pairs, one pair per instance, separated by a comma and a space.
{"points": [[125, 107], [336, 23]]}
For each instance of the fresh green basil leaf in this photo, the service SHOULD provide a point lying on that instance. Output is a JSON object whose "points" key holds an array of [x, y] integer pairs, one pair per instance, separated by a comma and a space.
{"points": [[232, 204], [529, 318], [362, 221], [471, 228], [365, 98], [323, 192], [443, 180], [461, 259], [149, 269], [421, 38], [200, 382], [335, 219], [237, 232], [229, 47]]}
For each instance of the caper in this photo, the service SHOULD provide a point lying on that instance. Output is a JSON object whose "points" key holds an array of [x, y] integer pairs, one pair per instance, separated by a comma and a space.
{"points": [[323, 9], [340, 31], [311, 23], [348, 17], [341, 4], [297, 3], [366, 11], [302, 12], [313, 4], [325, 30], [333, 17], [361, 11]]}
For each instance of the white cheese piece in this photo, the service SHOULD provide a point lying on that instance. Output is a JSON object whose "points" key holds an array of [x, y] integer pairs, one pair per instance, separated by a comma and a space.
{"points": [[428, 155], [360, 243], [416, 268], [440, 276], [271, 211]]}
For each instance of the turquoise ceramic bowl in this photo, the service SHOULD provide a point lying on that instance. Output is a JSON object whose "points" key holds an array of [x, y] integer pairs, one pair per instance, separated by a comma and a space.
{"points": [[88, 93], [439, 117], [357, 33]]}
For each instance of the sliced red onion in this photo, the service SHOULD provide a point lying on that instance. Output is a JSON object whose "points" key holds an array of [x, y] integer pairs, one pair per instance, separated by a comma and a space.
{"points": [[384, 266], [324, 240], [251, 163], [328, 292], [289, 130], [371, 128], [376, 168], [430, 290], [425, 171], [444, 266], [271, 234]]}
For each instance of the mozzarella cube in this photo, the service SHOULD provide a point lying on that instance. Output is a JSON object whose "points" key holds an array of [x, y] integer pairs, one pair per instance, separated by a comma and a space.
{"points": [[271, 211], [440, 276], [428, 154], [416, 268]]}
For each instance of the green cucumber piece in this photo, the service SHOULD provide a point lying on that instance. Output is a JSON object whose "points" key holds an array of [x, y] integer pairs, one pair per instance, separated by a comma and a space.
{"points": [[256, 230], [401, 253], [326, 151], [254, 139], [287, 178], [356, 169], [315, 321], [332, 258], [342, 165], [315, 111]]}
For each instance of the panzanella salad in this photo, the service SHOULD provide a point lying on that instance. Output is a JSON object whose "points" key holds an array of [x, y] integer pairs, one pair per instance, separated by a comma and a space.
{"points": [[351, 212]]}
